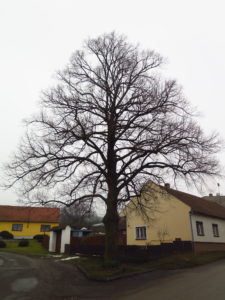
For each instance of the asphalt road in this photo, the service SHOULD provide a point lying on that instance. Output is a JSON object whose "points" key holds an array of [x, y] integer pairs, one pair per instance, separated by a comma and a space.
{"points": [[26, 278], [200, 283]]}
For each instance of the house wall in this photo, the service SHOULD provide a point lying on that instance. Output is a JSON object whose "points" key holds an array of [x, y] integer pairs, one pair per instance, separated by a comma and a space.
{"points": [[65, 238], [29, 229], [168, 215], [208, 232], [52, 242]]}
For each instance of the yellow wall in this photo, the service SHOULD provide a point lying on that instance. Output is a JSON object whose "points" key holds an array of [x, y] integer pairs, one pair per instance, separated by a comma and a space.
{"points": [[29, 229], [168, 214]]}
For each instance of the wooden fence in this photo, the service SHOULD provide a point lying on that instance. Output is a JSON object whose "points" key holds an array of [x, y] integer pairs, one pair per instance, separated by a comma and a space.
{"points": [[140, 253], [95, 240], [45, 241], [90, 244], [95, 246]]}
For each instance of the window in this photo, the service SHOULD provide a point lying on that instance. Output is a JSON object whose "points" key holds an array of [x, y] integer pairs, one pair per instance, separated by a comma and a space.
{"points": [[17, 227], [215, 230], [200, 229], [141, 233], [77, 233], [45, 228]]}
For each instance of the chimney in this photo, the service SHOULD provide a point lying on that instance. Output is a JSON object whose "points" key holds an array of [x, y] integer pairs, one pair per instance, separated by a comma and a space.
{"points": [[167, 185]]}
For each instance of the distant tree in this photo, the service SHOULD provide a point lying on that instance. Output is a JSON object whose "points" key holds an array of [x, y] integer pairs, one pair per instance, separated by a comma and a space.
{"points": [[110, 124], [79, 215]]}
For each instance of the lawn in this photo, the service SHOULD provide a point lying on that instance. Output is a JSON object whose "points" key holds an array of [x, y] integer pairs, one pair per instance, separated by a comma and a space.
{"points": [[94, 269], [34, 247], [188, 260]]}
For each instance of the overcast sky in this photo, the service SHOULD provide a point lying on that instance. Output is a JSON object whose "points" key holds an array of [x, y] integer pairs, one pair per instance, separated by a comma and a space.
{"points": [[38, 37]]}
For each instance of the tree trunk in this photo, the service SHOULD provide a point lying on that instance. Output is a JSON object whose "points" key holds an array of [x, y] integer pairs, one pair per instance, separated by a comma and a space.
{"points": [[111, 219], [111, 222]]}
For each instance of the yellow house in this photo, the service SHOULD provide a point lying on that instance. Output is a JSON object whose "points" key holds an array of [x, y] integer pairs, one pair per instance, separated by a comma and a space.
{"points": [[26, 222], [168, 215]]}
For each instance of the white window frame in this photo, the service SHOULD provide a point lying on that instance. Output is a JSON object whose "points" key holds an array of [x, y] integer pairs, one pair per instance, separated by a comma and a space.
{"points": [[215, 229], [141, 232], [17, 227], [200, 228]]}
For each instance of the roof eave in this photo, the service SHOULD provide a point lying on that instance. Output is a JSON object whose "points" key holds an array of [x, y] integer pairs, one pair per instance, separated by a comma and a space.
{"points": [[206, 215]]}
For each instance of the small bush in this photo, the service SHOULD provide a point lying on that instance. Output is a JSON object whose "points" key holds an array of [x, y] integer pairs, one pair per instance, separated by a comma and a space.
{"points": [[6, 235], [23, 243], [39, 237], [2, 244]]}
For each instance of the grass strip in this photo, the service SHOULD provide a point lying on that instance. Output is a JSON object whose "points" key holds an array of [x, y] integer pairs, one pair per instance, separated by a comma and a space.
{"points": [[34, 247], [93, 266]]}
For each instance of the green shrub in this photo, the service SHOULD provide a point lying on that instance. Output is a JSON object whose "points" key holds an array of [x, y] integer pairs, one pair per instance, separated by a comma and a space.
{"points": [[6, 235], [38, 237], [2, 244], [23, 243]]}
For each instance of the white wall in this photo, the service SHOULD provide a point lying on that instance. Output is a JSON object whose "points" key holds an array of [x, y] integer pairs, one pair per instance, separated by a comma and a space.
{"points": [[52, 242], [65, 238], [208, 232]]}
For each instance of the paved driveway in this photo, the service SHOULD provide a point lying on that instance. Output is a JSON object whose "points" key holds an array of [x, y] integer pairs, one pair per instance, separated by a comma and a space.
{"points": [[26, 278]]}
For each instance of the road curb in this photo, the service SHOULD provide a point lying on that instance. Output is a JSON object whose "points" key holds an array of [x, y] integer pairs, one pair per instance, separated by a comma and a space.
{"points": [[111, 278]]}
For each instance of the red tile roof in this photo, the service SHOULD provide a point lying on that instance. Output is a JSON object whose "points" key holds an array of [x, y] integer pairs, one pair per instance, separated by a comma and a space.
{"points": [[199, 205], [29, 214]]}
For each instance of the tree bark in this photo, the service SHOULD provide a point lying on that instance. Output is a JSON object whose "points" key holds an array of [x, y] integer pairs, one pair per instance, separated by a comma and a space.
{"points": [[111, 222]]}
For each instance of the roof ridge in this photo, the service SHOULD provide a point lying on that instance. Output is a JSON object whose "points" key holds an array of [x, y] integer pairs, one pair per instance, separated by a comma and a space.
{"points": [[189, 194], [23, 206], [200, 198], [29, 213]]}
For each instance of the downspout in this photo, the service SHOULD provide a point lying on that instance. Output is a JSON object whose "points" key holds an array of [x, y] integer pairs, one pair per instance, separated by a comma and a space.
{"points": [[193, 248]]}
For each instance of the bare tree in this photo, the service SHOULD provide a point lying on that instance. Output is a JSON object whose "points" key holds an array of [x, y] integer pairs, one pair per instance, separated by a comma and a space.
{"points": [[79, 215], [111, 124], [162, 233]]}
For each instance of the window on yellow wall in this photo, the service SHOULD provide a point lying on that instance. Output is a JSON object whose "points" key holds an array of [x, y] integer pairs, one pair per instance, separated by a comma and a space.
{"points": [[45, 228], [17, 227], [141, 233]]}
